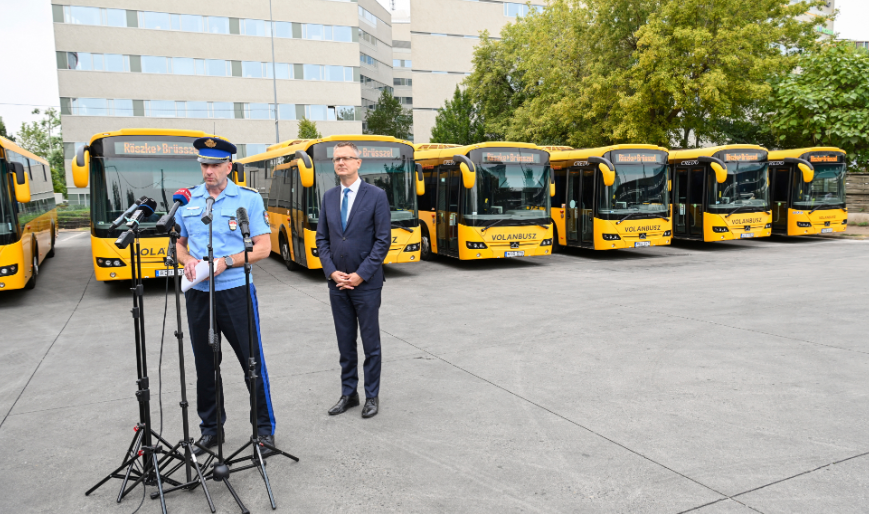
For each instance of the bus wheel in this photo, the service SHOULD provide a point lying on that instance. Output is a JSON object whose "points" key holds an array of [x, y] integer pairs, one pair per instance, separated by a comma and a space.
{"points": [[50, 253], [32, 282], [425, 247], [285, 254]]}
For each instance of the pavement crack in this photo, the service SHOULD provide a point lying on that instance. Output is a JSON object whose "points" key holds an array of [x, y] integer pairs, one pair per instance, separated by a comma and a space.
{"points": [[30, 378]]}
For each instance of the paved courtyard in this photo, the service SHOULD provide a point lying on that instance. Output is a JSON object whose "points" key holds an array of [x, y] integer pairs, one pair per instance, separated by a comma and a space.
{"points": [[718, 379]]}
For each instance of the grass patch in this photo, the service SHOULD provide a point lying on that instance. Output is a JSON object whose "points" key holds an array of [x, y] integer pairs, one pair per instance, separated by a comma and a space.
{"points": [[861, 224]]}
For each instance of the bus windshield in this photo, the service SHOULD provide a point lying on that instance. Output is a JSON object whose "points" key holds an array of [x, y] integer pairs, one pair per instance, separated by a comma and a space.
{"points": [[746, 189], [118, 181], [8, 226], [511, 184], [827, 188], [638, 188]]}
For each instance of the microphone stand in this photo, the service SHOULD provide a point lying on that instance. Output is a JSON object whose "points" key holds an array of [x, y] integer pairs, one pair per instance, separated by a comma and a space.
{"points": [[186, 443], [220, 470], [148, 472], [256, 441]]}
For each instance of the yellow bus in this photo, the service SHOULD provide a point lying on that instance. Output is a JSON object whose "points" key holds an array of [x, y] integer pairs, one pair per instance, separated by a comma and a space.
{"points": [[611, 197], [122, 166], [28, 216], [301, 171], [484, 201], [807, 186], [720, 193]]}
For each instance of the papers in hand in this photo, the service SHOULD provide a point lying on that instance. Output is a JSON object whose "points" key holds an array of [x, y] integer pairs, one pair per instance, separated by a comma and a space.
{"points": [[201, 274]]}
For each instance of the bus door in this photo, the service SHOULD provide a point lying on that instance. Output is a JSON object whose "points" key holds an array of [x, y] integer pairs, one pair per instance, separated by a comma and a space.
{"points": [[448, 211], [293, 192], [586, 196], [573, 212], [780, 191], [694, 206], [680, 202]]}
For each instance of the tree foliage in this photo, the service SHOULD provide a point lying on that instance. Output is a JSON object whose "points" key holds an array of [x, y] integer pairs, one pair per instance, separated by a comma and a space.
{"points": [[3, 130], [826, 104], [308, 129], [34, 137], [388, 118], [595, 72], [458, 122]]}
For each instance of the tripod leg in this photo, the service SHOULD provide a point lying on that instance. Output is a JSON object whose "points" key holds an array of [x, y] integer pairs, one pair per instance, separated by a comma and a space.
{"points": [[262, 470], [235, 496], [229, 459], [202, 482], [115, 472], [159, 481], [285, 454], [130, 467]]}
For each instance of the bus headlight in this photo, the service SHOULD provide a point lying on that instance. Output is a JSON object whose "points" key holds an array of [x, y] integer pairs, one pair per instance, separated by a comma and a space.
{"points": [[719, 229], [845, 221], [546, 242], [667, 233], [611, 237], [804, 224], [110, 263], [475, 245], [8, 271], [768, 225], [412, 248]]}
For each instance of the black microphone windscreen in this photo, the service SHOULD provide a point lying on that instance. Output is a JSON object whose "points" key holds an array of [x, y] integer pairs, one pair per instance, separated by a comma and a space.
{"points": [[241, 214], [148, 206]]}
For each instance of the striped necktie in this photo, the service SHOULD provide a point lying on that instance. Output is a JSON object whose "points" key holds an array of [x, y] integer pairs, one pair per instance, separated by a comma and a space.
{"points": [[345, 207]]}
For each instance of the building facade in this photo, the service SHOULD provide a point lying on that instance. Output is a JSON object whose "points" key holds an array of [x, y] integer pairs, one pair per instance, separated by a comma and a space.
{"points": [[208, 66]]}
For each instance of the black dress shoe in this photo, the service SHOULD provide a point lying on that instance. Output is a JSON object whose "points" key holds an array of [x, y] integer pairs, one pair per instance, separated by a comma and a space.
{"points": [[265, 451], [345, 403], [370, 409], [208, 441]]}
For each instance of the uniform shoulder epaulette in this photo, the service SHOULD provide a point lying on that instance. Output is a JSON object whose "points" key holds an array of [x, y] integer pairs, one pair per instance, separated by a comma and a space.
{"points": [[252, 190]]}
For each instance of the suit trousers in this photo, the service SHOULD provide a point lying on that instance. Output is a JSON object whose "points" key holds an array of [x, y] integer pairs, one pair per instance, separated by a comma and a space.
{"points": [[354, 309], [232, 322]]}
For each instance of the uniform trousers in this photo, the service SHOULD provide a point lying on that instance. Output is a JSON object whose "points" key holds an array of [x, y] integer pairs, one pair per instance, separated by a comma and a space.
{"points": [[354, 309], [232, 322]]}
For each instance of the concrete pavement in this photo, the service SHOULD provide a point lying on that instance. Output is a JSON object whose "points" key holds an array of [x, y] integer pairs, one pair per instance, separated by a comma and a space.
{"points": [[719, 378]]}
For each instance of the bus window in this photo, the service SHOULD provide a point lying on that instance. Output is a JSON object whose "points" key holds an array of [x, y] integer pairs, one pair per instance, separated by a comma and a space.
{"points": [[275, 191]]}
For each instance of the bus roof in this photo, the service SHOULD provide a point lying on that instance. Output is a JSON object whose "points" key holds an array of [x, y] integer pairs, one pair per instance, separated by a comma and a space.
{"points": [[678, 155], [151, 132], [5, 143], [585, 153], [777, 155], [304, 144], [433, 146], [448, 153], [553, 148]]}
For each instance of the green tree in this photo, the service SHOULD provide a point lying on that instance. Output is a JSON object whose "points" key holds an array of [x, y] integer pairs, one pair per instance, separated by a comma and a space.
{"points": [[388, 118], [308, 129], [34, 137], [3, 130], [458, 122], [826, 104]]}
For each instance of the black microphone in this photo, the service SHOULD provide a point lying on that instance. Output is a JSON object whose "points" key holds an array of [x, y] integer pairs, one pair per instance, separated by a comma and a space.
{"points": [[244, 226], [207, 217], [120, 219], [145, 209]]}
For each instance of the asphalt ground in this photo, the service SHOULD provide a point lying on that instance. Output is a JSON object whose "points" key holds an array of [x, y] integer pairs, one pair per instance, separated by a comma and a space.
{"points": [[708, 378]]}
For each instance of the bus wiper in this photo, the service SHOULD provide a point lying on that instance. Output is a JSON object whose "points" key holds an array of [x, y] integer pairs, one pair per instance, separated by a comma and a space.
{"points": [[819, 206], [402, 227], [734, 211], [490, 225], [628, 216]]}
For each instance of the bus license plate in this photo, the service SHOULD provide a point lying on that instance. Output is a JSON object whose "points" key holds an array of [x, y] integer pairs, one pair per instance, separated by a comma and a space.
{"points": [[515, 254], [640, 244], [826, 230], [743, 236], [166, 272]]}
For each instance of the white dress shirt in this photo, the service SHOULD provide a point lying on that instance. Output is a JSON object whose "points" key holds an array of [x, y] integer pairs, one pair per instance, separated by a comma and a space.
{"points": [[354, 188]]}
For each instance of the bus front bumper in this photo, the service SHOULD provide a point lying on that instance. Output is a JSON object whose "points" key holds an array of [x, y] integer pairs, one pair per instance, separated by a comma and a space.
{"points": [[14, 272], [112, 263], [739, 226], [801, 223]]}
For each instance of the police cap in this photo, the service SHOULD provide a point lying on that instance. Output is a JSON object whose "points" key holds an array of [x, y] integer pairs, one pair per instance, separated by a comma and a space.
{"points": [[213, 149]]}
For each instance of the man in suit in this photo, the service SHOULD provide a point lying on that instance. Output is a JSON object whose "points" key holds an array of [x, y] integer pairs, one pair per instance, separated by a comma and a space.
{"points": [[353, 236]]}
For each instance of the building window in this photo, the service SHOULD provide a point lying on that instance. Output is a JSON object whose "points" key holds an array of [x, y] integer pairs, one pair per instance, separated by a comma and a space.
{"points": [[402, 82], [514, 10], [401, 63], [367, 59], [367, 16]]}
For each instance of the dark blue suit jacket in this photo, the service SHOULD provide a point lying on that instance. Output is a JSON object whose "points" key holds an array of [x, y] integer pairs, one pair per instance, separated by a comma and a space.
{"points": [[365, 243]]}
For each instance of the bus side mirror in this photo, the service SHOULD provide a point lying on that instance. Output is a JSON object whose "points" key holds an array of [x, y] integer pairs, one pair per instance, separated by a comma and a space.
{"points": [[717, 166], [469, 174], [551, 182], [420, 183], [306, 168], [606, 169], [22, 182], [805, 167], [81, 166], [238, 169]]}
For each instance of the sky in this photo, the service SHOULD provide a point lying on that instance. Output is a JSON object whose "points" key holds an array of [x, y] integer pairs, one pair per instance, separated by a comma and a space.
{"points": [[30, 78]]}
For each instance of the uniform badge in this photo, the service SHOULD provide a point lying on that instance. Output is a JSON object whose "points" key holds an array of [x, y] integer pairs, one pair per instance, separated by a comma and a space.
{"points": [[210, 143], [266, 216], [233, 224]]}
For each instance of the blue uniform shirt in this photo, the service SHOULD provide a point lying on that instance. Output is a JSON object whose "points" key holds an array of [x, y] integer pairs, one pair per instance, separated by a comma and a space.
{"points": [[226, 240]]}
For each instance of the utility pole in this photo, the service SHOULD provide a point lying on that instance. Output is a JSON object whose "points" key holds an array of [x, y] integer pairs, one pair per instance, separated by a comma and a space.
{"points": [[274, 75]]}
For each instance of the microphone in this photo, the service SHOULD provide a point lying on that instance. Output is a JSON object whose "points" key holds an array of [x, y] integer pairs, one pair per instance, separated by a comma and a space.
{"points": [[207, 217], [181, 198], [145, 209], [244, 226], [120, 219]]}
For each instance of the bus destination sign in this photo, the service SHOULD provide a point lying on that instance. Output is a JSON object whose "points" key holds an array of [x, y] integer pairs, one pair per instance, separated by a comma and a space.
{"points": [[821, 158], [639, 158], [371, 152], [508, 157], [155, 148], [741, 156]]}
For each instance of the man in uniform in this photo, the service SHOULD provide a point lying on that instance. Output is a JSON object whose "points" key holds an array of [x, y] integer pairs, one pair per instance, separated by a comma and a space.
{"points": [[230, 294]]}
